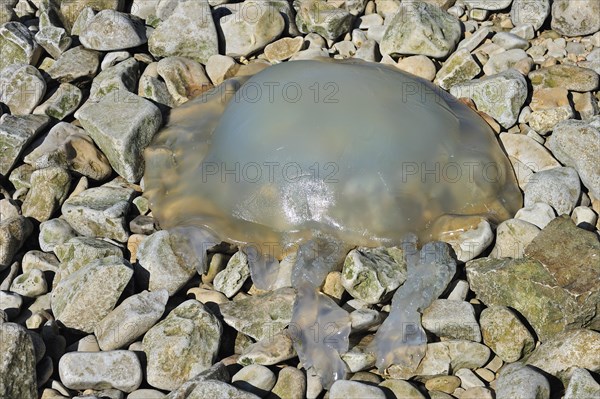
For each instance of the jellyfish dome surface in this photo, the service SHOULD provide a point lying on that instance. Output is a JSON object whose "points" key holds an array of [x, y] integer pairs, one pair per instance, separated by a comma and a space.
{"points": [[358, 151]]}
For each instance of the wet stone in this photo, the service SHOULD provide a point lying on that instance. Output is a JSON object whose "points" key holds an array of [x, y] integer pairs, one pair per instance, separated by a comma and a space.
{"points": [[260, 315]]}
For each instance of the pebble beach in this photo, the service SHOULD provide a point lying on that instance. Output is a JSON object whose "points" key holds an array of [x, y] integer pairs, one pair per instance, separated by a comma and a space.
{"points": [[97, 301]]}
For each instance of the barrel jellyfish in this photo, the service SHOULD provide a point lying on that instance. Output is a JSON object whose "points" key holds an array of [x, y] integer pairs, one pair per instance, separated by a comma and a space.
{"points": [[308, 153]]}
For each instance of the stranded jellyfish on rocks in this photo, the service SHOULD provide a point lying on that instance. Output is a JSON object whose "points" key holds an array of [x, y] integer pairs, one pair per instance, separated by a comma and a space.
{"points": [[317, 157]]}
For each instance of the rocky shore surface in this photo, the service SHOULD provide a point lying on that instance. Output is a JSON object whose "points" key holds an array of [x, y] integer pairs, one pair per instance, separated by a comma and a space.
{"points": [[97, 302]]}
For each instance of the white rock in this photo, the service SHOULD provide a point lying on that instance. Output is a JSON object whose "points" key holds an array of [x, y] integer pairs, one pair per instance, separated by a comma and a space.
{"points": [[131, 319], [452, 319], [468, 379], [530, 12], [519, 381], [558, 187], [230, 280], [113, 30], [343, 389], [529, 152], [539, 214], [419, 65], [121, 370], [584, 215], [254, 378], [512, 236]]}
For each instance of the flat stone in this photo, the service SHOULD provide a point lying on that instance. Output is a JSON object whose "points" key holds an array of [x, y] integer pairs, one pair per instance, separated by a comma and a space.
{"points": [[185, 78], [17, 45], [22, 88], [221, 67], [512, 236], [371, 275], [514, 58], [254, 378], [250, 29], [113, 30], [62, 103], [472, 42], [576, 144], [509, 41], [116, 80], [16, 133], [458, 68], [539, 214], [418, 65], [502, 104], [519, 381], [122, 129], [504, 333], [488, 5], [323, 18], [284, 48], [13, 233], [528, 151], [569, 77], [343, 389], [101, 370], [49, 189], [178, 35], [215, 389], [528, 287], [421, 28], [100, 211], [260, 316], [75, 64], [182, 345], [452, 319], [17, 363], [161, 256], [86, 296], [575, 18], [527, 12], [443, 357], [77, 252], [558, 187], [39, 260], [131, 319]]}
